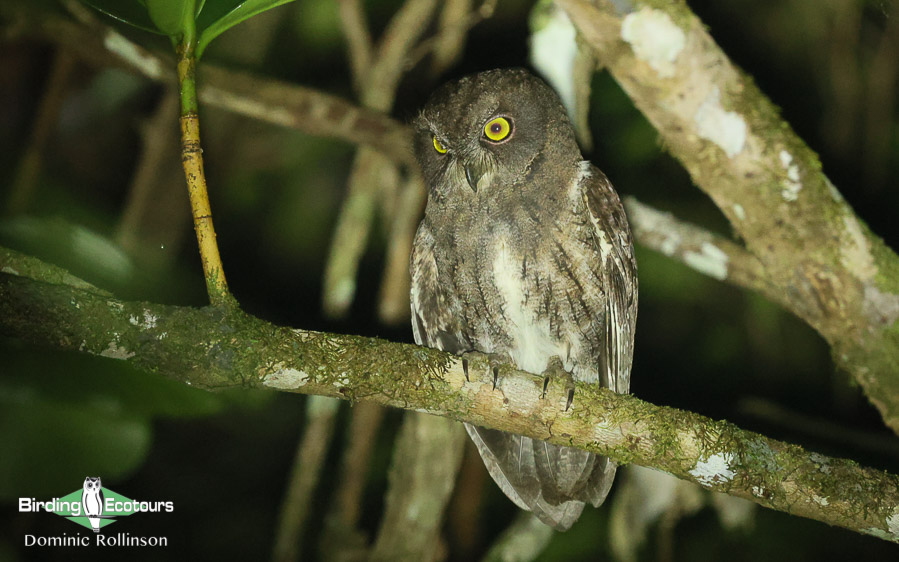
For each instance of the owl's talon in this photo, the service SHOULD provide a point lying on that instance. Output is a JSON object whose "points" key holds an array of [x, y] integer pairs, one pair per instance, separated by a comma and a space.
{"points": [[494, 360], [556, 370]]}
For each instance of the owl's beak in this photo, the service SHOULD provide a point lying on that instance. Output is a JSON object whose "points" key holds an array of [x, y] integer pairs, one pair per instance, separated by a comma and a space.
{"points": [[472, 180], [473, 173]]}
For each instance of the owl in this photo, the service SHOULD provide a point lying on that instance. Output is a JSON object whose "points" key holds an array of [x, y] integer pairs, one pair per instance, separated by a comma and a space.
{"points": [[92, 501], [524, 253]]}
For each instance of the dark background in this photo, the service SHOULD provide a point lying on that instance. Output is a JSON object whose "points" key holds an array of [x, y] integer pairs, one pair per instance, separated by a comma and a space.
{"points": [[223, 459]]}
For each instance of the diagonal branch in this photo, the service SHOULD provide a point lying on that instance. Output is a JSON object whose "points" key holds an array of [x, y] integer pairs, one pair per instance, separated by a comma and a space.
{"points": [[216, 348], [832, 271], [358, 38], [705, 252]]}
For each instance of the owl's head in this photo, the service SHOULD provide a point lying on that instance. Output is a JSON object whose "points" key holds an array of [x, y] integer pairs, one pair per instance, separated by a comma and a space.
{"points": [[92, 483], [493, 124]]}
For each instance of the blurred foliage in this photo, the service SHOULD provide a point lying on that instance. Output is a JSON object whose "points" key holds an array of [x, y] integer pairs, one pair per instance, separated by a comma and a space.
{"points": [[170, 17], [275, 193], [62, 414]]}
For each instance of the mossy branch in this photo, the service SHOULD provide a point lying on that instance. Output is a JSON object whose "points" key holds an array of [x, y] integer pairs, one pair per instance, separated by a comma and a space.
{"points": [[217, 347]]}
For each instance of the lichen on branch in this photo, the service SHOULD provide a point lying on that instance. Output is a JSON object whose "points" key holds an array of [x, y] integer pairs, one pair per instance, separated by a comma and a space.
{"points": [[830, 269], [217, 347]]}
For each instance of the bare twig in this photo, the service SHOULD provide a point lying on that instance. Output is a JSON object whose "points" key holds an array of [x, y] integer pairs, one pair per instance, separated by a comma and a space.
{"points": [[362, 435], [307, 466], [452, 26], [402, 32], [393, 302], [159, 152], [27, 174], [450, 29], [370, 169], [354, 223], [358, 38], [464, 517], [422, 475], [272, 101], [522, 541]]}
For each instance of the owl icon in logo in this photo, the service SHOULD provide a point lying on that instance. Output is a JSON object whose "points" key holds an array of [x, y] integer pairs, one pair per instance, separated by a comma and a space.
{"points": [[92, 501]]}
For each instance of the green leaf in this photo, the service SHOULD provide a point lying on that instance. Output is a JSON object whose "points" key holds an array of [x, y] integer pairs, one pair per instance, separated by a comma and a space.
{"points": [[242, 11], [64, 416], [170, 15], [49, 444], [214, 10], [131, 12], [85, 252]]}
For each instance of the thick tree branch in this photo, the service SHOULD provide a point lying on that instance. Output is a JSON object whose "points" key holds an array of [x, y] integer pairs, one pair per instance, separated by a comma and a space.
{"points": [[831, 270], [217, 348]]}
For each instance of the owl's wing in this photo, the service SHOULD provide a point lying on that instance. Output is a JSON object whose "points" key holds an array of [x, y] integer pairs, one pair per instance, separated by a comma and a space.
{"points": [[526, 471], [433, 323], [617, 267]]}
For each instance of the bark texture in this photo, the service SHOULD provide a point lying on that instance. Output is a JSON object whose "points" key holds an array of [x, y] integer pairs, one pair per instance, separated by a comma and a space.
{"points": [[830, 269], [214, 348]]}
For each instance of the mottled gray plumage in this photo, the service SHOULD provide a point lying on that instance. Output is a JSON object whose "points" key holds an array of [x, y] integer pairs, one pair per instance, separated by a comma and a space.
{"points": [[524, 252]]}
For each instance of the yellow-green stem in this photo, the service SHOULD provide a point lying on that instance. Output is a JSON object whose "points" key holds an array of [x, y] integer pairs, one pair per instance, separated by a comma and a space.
{"points": [[192, 161]]}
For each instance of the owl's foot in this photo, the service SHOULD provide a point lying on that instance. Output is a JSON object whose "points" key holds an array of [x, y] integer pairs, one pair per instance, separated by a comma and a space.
{"points": [[493, 359], [555, 370]]}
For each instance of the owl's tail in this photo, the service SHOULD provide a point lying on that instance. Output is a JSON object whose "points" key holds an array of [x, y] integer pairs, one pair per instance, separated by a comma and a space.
{"points": [[552, 481], [95, 523]]}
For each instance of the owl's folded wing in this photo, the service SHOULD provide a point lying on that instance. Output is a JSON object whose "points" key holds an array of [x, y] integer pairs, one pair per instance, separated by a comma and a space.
{"points": [[433, 323], [618, 270]]}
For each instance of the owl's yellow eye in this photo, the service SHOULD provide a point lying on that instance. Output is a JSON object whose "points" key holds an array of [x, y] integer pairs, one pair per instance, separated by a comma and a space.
{"points": [[497, 129], [439, 147]]}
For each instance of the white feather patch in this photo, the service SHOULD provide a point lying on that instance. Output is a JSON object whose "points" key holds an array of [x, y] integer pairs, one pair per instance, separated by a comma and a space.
{"points": [[533, 344]]}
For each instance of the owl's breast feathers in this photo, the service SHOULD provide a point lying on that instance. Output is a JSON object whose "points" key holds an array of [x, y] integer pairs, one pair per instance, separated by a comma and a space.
{"points": [[533, 281]]}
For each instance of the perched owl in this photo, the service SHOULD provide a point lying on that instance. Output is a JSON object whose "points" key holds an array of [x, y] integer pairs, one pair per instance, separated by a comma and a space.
{"points": [[92, 501], [524, 252]]}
